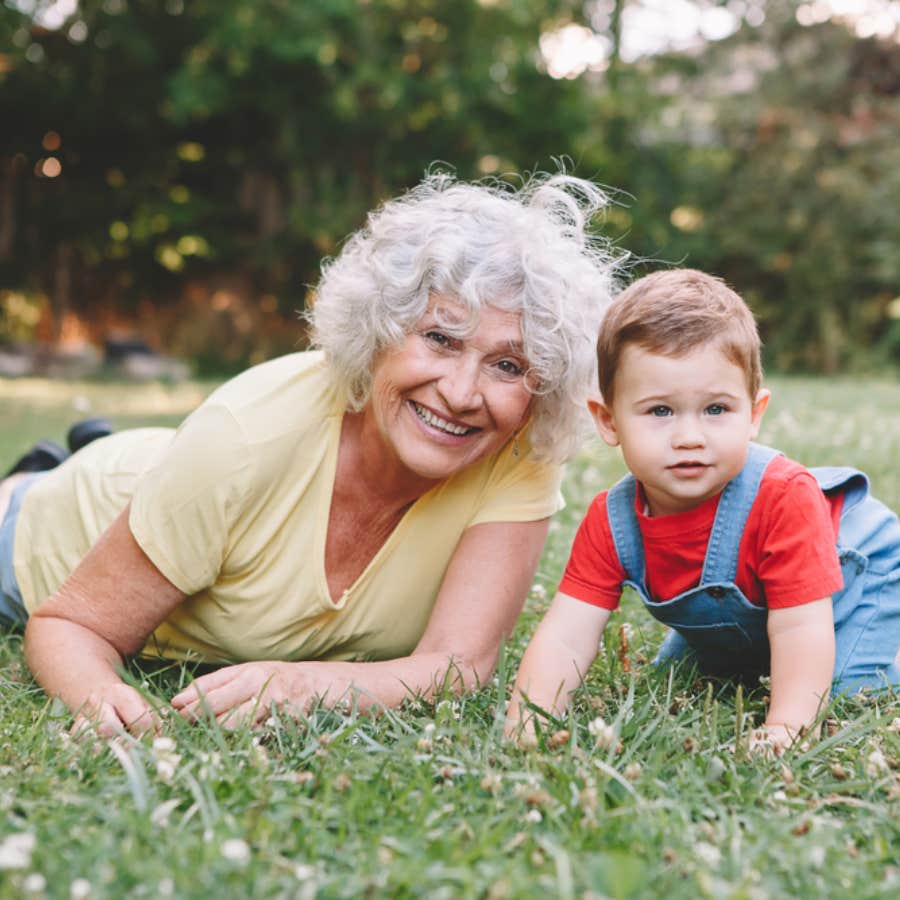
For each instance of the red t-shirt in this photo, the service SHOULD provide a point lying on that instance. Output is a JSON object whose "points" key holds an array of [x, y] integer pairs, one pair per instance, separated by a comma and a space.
{"points": [[787, 554]]}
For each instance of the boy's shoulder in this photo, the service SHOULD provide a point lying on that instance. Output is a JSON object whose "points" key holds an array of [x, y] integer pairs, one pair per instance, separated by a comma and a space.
{"points": [[785, 474], [787, 486], [782, 469]]}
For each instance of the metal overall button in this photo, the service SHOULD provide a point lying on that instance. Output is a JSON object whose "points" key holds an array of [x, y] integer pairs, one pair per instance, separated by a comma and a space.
{"points": [[717, 592]]}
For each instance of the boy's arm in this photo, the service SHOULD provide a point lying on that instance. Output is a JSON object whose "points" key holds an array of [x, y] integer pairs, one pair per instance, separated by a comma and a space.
{"points": [[556, 660], [801, 639]]}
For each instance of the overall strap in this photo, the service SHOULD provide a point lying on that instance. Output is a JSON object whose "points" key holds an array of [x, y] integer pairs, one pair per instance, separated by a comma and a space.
{"points": [[721, 560], [626, 532]]}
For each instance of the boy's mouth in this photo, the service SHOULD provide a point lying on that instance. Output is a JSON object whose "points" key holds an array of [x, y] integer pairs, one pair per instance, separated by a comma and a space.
{"points": [[689, 466]]}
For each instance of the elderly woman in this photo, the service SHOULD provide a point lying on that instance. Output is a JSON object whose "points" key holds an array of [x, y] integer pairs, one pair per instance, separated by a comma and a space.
{"points": [[358, 520]]}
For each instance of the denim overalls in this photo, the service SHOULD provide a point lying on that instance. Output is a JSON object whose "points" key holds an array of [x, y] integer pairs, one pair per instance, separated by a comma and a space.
{"points": [[726, 633]]}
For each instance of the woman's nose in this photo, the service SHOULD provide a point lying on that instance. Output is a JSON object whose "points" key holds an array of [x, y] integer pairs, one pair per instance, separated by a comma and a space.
{"points": [[460, 386]]}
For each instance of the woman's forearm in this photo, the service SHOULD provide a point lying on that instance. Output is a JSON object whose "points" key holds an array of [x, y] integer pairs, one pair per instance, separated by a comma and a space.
{"points": [[69, 661], [390, 682], [246, 693]]}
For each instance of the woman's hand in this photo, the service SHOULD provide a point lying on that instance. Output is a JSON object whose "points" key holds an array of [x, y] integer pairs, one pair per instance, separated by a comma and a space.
{"points": [[118, 710], [245, 694]]}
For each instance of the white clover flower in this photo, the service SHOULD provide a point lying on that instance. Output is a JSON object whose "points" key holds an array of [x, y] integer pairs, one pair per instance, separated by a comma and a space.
{"points": [[817, 857], [161, 813], [491, 782], [876, 764], [166, 768], [236, 850], [715, 769], [210, 764], [259, 756], [303, 872], [35, 883], [604, 735], [16, 849], [165, 757], [895, 725], [533, 815], [708, 853], [80, 888]]}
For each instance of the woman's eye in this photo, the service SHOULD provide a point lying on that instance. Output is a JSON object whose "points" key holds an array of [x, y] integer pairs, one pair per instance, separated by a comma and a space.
{"points": [[716, 409], [510, 367], [437, 337], [660, 411]]}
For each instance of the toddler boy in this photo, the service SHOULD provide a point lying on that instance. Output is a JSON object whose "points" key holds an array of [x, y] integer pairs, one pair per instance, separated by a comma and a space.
{"points": [[757, 564]]}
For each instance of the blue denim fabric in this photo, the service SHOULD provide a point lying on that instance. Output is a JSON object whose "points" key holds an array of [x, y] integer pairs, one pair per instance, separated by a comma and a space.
{"points": [[726, 633], [12, 610]]}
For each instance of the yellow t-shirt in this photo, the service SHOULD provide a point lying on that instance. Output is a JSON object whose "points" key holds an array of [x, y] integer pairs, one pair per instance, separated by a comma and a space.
{"points": [[233, 508]]}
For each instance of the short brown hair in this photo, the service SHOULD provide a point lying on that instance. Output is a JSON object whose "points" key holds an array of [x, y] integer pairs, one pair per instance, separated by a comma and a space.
{"points": [[673, 312]]}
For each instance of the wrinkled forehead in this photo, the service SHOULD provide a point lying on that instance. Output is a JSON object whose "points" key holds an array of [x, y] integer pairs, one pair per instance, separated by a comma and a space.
{"points": [[464, 320]]}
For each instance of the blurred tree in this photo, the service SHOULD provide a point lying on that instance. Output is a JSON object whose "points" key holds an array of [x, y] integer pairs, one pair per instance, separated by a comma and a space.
{"points": [[154, 150], [158, 142], [778, 158]]}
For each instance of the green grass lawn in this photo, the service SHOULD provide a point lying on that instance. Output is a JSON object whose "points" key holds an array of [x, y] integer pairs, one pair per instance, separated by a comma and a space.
{"points": [[428, 800]]}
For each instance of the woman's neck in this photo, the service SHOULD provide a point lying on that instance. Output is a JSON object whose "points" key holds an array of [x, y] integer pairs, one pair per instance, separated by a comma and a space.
{"points": [[366, 466]]}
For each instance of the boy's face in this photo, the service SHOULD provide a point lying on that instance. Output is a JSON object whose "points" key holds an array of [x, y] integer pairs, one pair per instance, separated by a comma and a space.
{"points": [[684, 425]]}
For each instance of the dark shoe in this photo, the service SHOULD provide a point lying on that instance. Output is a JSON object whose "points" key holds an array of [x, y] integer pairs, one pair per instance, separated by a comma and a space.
{"points": [[42, 456], [82, 433]]}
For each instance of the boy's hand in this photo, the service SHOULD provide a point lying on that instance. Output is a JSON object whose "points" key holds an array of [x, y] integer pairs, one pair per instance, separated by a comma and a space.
{"points": [[523, 736], [772, 739], [555, 662], [801, 639]]}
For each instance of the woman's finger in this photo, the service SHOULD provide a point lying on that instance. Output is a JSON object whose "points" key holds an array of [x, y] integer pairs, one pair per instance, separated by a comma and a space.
{"points": [[205, 685], [222, 698], [244, 715], [139, 718], [100, 720]]}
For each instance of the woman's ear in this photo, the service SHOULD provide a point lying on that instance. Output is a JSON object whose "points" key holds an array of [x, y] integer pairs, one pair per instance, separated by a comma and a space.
{"points": [[757, 410], [604, 421]]}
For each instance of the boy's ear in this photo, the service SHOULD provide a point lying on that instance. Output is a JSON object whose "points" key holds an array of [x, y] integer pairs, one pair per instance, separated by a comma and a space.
{"points": [[757, 410], [604, 421]]}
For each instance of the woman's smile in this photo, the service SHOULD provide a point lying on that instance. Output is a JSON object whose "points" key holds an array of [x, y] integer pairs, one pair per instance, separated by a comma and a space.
{"points": [[439, 423]]}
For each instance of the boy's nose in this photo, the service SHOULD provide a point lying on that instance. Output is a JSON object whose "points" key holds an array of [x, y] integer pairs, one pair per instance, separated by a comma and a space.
{"points": [[688, 434]]}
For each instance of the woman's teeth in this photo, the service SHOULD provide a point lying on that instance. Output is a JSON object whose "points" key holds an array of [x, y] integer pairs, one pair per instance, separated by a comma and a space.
{"points": [[437, 422]]}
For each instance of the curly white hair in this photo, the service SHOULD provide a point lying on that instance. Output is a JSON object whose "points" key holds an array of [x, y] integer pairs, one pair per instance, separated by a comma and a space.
{"points": [[524, 250]]}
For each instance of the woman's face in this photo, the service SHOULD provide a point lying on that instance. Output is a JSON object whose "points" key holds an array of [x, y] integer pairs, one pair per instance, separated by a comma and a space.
{"points": [[440, 402]]}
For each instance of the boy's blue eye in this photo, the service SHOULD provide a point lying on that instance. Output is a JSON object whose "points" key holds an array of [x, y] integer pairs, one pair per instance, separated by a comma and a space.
{"points": [[660, 411], [716, 409]]}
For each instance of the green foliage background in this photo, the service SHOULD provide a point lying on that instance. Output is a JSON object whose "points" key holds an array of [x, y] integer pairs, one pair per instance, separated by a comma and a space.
{"points": [[239, 142]]}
